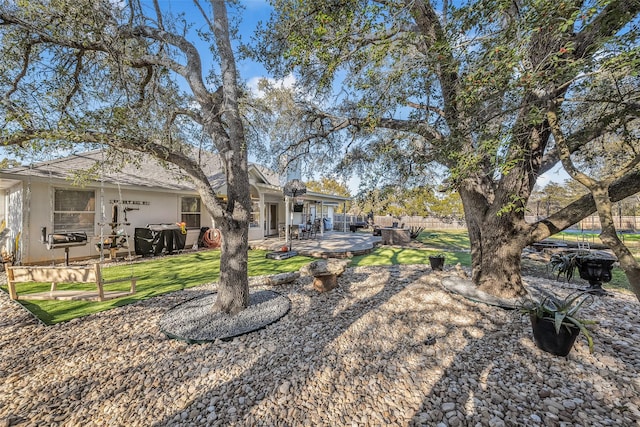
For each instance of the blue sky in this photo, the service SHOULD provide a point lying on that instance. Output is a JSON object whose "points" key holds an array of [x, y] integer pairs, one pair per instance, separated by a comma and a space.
{"points": [[254, 11], [259, 10], [249, 17]]}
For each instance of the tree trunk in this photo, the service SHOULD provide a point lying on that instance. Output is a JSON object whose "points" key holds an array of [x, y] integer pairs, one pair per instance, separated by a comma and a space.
{"points": [[496, 258], [496, 247], [610, 238], [229, 137], [233, 289]]}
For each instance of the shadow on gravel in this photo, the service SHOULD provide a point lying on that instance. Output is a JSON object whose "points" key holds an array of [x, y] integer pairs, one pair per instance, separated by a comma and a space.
{"points": [[314, 322]]}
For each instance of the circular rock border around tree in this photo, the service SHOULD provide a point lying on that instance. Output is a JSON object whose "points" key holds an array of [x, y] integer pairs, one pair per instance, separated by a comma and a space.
{"points": [[194, 321]]}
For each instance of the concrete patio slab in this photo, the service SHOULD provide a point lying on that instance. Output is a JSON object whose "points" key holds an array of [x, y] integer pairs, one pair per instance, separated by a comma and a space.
{"points": [[332, 244]]}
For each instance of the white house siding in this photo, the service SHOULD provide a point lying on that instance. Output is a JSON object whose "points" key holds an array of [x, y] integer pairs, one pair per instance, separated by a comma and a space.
{"points": [[14, 198], [152, 207], [3, 206]]}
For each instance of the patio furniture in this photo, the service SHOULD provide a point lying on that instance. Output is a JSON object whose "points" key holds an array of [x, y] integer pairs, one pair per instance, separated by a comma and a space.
{"points": [[294, 231], [314, 229], [354, 226], [304, 231], [395, 236], [156, 238], [548, 244]]}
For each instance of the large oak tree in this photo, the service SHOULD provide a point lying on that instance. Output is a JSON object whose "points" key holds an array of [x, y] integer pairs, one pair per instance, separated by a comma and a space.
{"points": [[128, 75], [466, 86]]}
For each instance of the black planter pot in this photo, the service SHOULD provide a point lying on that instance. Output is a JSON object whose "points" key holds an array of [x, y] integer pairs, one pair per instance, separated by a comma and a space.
{"points": [[546, 338], [596, 271], [437, 263]]}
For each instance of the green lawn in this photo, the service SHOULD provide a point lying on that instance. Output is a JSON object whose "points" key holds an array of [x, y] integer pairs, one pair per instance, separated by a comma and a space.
{"points": [[453, 243], [154, 277], [632, 241], [393, 256], [159, 276], [446, 240]]}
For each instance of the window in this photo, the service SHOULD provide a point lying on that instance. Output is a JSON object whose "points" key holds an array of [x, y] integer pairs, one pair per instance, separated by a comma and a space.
{"points": [[254, 219], [74, 210], [190, 211]]}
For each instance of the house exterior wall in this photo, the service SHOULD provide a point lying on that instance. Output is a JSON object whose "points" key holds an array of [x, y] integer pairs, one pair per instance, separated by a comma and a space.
{"points": [[3, 206], [149, 207], [271, 200], [29, 207], [256, 233], [13, 215]]}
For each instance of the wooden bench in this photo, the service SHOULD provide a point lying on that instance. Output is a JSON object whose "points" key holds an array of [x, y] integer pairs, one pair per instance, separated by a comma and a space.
{"points": [[59, 275]]}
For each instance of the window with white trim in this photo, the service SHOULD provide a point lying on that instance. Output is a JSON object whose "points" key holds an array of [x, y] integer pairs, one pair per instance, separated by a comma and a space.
{"points": [[254, 216], [190, 208], [74, 210]]}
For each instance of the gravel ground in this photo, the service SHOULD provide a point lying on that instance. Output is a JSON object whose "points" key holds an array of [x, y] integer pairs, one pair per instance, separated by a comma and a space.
{"points": [[195, 322], [389, 346]]}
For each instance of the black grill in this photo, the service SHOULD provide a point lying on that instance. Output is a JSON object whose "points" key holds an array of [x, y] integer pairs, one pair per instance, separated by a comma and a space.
{"points": [[66, 240]]}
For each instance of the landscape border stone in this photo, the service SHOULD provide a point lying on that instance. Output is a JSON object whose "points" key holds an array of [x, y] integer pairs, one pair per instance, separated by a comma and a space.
{"points": [[467, 289]]}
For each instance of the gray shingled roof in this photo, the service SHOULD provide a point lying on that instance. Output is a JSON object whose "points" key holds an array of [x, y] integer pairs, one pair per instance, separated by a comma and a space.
{"points": [[148, 172]]}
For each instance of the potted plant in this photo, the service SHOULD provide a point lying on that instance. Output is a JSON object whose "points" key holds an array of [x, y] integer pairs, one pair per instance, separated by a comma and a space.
{"points": [[593, 266], [436, 261], [555, 323]]}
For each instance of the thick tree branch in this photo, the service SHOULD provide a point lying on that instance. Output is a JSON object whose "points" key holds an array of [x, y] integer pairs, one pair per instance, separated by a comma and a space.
{"points": [[583, 207], [23, 71], [563, 149], [424, 107], [76, 79], [230, 93], [339, 123], [192, 71], [608, 22], [434, 35]]}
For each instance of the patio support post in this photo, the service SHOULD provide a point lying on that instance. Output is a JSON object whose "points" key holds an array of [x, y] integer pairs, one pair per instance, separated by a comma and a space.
{"points": [[294, 188], [287, 221], [344, 217], [321, 218]]}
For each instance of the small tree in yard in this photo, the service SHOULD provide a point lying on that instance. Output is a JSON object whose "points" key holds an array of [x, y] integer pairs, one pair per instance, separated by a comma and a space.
{"points": [[104, 72], [618, 153], [467, 87]]}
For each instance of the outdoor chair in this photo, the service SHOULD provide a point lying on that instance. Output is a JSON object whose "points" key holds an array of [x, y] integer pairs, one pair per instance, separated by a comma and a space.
{"points": [[315, 229], [305, 231], [584, 246]]}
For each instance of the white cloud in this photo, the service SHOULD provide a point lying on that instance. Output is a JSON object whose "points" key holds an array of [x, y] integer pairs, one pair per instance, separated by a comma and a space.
{"points": [[287, 82]]}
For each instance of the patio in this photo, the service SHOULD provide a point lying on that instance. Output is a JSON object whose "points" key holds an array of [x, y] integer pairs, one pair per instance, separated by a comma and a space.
{"points": [[332, 244]]}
